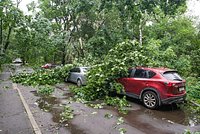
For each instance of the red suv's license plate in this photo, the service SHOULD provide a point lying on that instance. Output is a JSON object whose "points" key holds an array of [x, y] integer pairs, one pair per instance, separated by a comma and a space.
{"points": [[181, 89]]}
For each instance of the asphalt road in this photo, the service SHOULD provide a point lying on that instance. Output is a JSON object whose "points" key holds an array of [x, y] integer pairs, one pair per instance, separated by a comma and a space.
{"points": [[13, 118], [87, 120]]}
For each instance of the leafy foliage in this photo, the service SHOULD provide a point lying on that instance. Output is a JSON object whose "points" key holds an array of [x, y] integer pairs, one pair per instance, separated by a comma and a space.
{"points": [[45, 90], [43, 77], [195, 55], [189, 132], [193, 96], [67, 114], [176, 40], [122, 130], [193, 88], [94, 33], [102, 77], [120, 104]]}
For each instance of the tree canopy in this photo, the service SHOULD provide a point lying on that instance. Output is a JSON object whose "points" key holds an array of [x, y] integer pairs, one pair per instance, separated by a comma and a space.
{"points": [[84, 31]]}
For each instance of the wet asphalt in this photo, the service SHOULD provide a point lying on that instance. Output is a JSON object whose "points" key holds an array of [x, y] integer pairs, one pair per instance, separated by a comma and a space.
{"points": [[168, 119], [13, 118]]}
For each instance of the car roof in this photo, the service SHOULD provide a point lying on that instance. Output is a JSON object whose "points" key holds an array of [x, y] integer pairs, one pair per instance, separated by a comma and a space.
{"points": [[84, 67], [18, 59], [81, 67], [159, 69]]}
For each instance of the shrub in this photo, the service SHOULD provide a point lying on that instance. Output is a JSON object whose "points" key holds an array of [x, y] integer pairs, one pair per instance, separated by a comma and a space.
{"points": [[193, 88]]}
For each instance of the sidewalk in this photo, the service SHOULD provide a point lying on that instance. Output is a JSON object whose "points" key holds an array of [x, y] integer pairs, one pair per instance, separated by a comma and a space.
{"points": [[13, 118]]}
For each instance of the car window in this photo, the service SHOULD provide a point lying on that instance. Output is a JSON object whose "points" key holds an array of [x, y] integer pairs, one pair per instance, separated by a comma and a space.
{"points": [[131, 72], [172, 75], [76, 70], [151, 74], [140, 73], [72, 70]]}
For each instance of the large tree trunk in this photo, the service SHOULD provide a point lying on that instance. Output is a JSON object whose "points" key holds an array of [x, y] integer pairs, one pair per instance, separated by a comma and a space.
{"points": [[7, 40], [63, 55], [81, 47], [1, 36], [140, 32], [1, 31]]}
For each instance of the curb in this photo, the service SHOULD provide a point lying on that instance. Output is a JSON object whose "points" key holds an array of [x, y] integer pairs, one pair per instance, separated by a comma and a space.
{"points": [[28, 111]]}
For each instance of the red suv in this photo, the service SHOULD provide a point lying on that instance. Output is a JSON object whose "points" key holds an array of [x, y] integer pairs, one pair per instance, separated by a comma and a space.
{"points": [[154, 86]]}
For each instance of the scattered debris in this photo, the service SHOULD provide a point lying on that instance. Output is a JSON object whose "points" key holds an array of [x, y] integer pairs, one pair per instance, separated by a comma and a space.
{"points": [[66, 114], [108, 116], [122, 130], [94, 113], [6, 87], [120, 121]]}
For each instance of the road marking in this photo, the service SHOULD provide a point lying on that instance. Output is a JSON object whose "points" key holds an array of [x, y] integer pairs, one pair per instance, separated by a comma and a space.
{"points": [[30, 115]]}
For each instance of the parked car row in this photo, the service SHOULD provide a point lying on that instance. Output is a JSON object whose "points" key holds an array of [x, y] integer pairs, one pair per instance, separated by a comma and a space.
{"points": [[153, 86]]}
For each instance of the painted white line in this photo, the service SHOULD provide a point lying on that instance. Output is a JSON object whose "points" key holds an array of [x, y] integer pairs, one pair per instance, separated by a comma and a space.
{"points": [[30, 115]]}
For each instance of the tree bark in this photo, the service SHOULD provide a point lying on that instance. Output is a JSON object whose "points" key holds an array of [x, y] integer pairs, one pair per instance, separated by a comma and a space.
{"points": [[63, 55], [140, 31], [1, 35], [7, 40], [81, 47]]}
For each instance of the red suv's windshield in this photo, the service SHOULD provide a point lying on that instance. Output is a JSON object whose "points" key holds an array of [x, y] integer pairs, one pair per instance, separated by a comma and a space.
{"points": [[172, 75]]}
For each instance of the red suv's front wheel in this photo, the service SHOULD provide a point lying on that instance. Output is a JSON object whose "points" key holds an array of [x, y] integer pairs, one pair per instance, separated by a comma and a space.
{"points": [[150, 99]]}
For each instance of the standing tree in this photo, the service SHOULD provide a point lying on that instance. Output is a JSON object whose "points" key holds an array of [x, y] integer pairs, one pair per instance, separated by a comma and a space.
{"points": [[10, 16]]}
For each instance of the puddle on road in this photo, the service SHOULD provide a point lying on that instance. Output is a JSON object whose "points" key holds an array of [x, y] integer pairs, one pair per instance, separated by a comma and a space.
{"points": [[54, 106], [169, 113], [181, 115], [46, 103], [71, 127]]}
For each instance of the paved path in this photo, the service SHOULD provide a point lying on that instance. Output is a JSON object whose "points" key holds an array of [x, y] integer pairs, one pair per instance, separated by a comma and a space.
{"points": [[13, 118]]}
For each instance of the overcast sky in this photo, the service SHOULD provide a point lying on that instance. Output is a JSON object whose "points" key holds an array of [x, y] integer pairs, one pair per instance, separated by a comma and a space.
{"points": [[23, 4], [193, 6]]}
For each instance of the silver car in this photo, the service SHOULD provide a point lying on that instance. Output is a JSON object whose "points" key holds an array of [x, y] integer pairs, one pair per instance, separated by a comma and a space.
{"points": [[78, 75]]}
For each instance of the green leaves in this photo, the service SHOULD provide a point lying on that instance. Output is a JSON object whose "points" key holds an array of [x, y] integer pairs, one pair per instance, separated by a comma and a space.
{"points": [[102, 77], [67, 114], [43, 77], [120, 104], [45, 90], [193, 88]]}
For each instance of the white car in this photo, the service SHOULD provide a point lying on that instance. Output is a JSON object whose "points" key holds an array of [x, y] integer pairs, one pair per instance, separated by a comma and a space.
{"points": [[78, 75], [17, 62]]}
